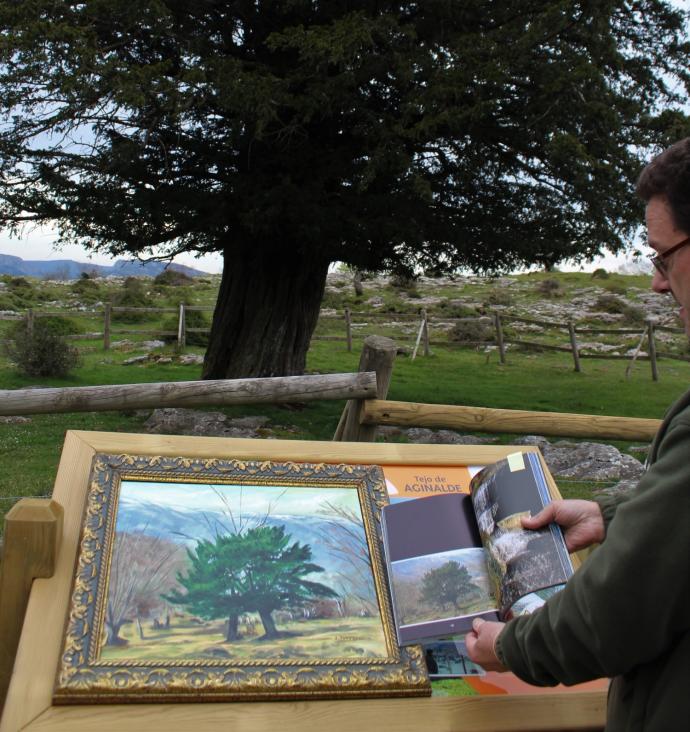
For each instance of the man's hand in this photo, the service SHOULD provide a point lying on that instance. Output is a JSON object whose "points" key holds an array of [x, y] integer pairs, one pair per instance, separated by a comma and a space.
{"points": [[481, 642], [581, 521]]}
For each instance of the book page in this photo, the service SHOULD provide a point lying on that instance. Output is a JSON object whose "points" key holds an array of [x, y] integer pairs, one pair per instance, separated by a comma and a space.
{"points": [[519, 561], [436, 566]]}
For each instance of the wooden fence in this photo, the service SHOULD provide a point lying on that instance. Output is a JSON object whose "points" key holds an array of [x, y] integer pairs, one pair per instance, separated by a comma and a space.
{"points": [[423, 326]]}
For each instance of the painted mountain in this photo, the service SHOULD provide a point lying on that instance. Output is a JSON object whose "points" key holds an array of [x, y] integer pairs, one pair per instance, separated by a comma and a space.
{"points": [[68, 269], [187, 526]]}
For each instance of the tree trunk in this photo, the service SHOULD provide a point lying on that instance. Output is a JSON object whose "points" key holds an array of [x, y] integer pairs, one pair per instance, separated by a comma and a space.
{"points": [[267, 308], [233, 629], [270, 630], [113, 635]]}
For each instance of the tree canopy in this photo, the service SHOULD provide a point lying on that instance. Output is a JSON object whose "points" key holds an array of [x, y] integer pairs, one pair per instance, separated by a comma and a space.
{"points": [[255, 571], [291, 134], [450, 584]]}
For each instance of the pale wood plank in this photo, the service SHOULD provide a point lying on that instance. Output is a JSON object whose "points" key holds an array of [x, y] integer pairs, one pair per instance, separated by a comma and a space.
{"points": [[32, 532], [188, 393], [483, 419], [31, 686], [301, 450], [460, 714]]}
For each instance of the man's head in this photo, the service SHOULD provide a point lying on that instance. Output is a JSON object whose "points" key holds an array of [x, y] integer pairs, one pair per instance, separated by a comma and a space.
{"points": [[665, 185]]}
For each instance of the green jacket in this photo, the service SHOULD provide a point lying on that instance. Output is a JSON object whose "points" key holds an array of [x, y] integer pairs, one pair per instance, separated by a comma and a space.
{"points": [[626, 612]]}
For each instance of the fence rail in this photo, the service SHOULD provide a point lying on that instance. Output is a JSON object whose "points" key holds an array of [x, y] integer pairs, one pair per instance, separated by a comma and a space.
{"points": [[420, 338]]}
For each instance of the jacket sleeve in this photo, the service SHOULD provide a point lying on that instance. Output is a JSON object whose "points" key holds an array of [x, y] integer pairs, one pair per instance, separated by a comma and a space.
{"points": [[630, 598]]}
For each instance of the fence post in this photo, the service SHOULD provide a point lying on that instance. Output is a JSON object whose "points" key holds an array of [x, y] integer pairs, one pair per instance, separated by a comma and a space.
{"points": [[33, 528], [499, 337], [573, 345], [348, 329], [181, 329], [425, 332], [652, 350], [30, 322], [106, 326], [378, 354]]}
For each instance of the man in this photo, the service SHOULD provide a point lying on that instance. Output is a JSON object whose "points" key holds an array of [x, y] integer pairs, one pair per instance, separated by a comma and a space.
{"points": [[626, 613]]}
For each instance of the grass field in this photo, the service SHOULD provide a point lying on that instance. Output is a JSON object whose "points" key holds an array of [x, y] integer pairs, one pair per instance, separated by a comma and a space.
{"points": [[546, 381], [321, 638]]}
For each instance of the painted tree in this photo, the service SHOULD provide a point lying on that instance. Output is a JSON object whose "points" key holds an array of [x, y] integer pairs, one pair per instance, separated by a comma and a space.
{"points": [[448, 585], [256, 571], [291, 134], [142, 569]]}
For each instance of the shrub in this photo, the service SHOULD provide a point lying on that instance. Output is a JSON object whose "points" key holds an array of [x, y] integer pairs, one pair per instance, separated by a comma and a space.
{"points": [[600, 274], [471, 331], [172, 278], [41, 352], [132, 295], [193, 319], [609, 303], [86, 289], [550, 288], [455, 310], [633, 315], [59, 325], [405, 282], [498, 297]]}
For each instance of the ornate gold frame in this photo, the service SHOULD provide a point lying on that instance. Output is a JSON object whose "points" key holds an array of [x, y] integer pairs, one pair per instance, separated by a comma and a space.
{"points": [[84, 678]]}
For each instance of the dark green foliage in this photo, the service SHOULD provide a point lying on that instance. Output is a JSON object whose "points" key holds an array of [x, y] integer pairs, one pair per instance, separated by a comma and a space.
{"points": [[193, 319], [609, 303], [448, 586], [600, 274], [255, 571], [132, 295], [172, 278], [86, 289], [288, 135], [473, 330], [59, 325], [42, 351]]}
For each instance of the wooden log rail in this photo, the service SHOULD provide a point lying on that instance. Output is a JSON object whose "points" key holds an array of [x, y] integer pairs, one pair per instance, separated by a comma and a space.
{"points": [[222, 392], [511, 421]]}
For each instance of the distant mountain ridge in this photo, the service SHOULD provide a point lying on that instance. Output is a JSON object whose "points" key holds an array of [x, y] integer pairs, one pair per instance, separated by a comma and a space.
{"points": [[68, 269]]}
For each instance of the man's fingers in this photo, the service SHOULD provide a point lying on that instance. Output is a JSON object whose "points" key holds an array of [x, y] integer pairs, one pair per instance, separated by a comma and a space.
{"points": [[544, 517]]}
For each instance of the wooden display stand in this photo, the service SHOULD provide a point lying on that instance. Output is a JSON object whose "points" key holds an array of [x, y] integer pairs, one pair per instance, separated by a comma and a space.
{"points": [[29, 701]]}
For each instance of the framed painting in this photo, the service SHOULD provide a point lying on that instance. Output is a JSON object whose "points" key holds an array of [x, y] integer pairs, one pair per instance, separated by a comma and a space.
{"points": [[211, 579]]}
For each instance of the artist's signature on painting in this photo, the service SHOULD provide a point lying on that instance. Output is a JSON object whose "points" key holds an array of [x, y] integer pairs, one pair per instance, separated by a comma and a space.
{"points": [[346, 637]]}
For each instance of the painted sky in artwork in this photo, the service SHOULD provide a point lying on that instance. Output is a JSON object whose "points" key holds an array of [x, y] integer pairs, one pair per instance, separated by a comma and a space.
{"points": [[285, 500]]}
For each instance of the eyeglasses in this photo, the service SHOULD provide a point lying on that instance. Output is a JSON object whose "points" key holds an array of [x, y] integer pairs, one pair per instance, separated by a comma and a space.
{"points": [[660, 260]]}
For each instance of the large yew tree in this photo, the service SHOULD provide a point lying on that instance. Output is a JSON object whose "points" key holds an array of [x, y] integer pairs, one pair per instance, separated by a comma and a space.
{"points": [[291, 134]]}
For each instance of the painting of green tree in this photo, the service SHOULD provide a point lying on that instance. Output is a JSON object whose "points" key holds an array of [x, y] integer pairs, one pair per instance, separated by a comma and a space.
{"points": [[259, 571], [239, 572]]}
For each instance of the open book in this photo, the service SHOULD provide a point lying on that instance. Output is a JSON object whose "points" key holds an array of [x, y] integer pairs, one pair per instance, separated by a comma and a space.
{"points": [[455, 557]]}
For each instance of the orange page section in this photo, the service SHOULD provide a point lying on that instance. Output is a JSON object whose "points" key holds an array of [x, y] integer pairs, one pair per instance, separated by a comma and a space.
{"points": [[419, 481]]}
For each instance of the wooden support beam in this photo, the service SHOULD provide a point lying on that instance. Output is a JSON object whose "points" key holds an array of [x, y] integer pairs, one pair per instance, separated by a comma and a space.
{"points": [[511, 421], [276, 390], [33, 528], [378, 354]]}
